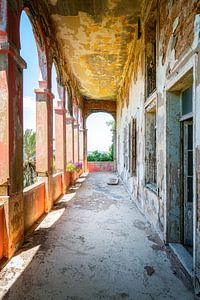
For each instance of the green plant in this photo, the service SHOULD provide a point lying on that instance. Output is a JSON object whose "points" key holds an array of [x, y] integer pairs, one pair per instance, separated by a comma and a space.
{"points": [[98, 156], [29, 164], [71, 167]]}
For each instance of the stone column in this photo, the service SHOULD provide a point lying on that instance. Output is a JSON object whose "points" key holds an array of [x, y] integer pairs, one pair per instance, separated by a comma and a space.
{"points": [[81, 144], [44, 141], [60, 135], [69, 139], [85, 168], [11, 143], [76, 142]]}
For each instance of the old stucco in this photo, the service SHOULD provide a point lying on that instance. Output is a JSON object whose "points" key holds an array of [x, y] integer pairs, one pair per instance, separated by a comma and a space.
{"points": [[96, 41]]}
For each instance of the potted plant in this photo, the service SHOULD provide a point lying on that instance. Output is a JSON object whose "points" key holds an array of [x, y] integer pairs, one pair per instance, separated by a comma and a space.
{"points": [[75, 170]]}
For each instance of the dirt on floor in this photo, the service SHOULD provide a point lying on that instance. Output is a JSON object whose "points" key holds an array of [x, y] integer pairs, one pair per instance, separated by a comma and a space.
{"points": [[94, 244]]}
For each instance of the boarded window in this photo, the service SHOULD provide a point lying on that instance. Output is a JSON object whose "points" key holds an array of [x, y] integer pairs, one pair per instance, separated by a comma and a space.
{"points": [[125, 148], [150, 148], [129, 147]]}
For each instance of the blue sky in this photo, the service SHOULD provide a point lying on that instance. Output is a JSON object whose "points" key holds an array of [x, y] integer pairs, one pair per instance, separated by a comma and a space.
{"points": [[99, 135]]}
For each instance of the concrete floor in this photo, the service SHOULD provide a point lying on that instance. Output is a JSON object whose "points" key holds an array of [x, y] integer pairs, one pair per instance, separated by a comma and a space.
{"points": [[95, 244]]}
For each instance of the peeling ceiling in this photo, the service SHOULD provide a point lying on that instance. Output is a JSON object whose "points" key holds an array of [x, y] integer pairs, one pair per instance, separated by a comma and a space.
{"points": [[95, 37]]}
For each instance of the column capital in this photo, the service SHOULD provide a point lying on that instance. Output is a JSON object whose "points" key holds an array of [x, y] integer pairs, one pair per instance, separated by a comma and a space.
{"points": [[60, 106], [76, 125], [60, 110], [46, 92], [11, 50], [70, 120], [83, 129]]}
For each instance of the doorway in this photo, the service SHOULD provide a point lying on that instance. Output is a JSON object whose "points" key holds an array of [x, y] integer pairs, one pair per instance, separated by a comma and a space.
{"points": [[180, 164], [187, 166]]}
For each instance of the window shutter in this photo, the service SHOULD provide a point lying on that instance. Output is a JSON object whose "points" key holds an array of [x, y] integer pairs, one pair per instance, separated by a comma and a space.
{"points": [[134, 146]]}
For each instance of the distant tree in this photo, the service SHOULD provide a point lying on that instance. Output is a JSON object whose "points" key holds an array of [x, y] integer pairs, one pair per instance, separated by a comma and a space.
{"points": [[29, 157], [112, 125], [98, 156]]}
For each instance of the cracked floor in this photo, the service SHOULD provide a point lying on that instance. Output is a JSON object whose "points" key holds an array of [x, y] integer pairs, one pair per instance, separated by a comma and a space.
{"points": [[94, 244]]}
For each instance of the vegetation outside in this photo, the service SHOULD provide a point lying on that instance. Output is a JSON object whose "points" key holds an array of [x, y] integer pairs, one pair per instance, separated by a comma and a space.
{"points": [[109, 156], [29, 157]]}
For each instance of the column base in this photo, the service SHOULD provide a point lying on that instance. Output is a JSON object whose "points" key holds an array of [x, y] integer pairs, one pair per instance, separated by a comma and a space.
{"points": [[48, 189], [13, 223]]}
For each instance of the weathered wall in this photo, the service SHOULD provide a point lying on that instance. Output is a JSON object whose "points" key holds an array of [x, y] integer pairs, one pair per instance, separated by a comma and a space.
{"points": [[57, 186], [34, 204], [1, 230], [92, 106], [68, 179], [100, 166], [177, 39]]}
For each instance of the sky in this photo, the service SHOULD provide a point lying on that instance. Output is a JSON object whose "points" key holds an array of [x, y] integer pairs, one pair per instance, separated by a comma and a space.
{"points": [[99, 135]]}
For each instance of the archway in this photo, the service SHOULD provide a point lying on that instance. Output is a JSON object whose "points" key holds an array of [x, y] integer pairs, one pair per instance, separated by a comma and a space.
{"points": [[100, 141], [30, 83]]}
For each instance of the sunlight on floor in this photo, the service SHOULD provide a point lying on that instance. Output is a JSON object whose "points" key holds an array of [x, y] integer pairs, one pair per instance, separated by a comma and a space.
{"points": [[16, 266]]}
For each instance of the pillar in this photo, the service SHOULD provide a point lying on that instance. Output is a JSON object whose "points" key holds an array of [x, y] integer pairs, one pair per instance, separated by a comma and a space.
{"points": [[81, 145], [11, 134], [60, 135], [69, 139], [76, 142], [85, 167], [44, 141]]}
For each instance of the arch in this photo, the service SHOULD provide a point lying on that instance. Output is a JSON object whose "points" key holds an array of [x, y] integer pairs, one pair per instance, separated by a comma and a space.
{"points": [[30, 80], [70, 99], [44, 77], [94, 106], [58, 71], [3, 16], [95, 111], [100, 134]]}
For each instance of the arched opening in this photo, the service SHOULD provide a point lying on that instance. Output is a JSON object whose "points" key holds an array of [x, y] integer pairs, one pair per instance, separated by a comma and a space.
{"points": [[30, 83], [100, 137]]}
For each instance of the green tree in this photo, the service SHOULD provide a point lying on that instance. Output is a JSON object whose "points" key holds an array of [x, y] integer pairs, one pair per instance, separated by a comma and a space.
{"points": [[112, 125], [29, 157]]}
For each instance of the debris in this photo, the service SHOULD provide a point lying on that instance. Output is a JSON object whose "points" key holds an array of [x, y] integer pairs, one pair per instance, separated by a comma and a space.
{"points": [[113, 181], [150, 270]]}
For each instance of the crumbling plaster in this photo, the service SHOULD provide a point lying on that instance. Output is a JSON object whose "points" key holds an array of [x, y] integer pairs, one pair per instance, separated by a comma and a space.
{"points": [[174, 49], [96, 38]]}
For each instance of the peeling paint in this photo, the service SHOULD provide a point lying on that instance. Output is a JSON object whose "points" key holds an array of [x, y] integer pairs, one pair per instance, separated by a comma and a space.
{"points": [[96, 51]]}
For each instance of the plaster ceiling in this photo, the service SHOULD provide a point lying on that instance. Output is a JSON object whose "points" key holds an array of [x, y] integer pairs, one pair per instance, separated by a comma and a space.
{"points": [[95, 37]]}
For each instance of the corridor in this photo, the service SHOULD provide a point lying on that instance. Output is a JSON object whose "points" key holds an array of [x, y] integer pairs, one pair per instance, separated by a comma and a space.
{"points": [[94, 244]]}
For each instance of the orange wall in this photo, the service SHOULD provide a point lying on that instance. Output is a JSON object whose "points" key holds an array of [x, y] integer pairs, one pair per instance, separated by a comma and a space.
{"points": [[57, 186], [34, 204], [100, 166], [1, 231], [68, 179]]}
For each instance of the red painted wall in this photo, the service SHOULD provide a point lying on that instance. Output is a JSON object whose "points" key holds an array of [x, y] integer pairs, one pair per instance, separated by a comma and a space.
{"points": [[100, 166], [1, 231], [34, 204], [57, 186], [68, 179]]}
